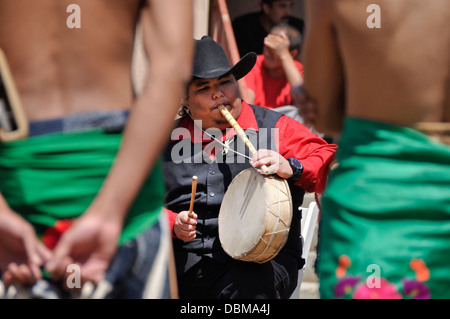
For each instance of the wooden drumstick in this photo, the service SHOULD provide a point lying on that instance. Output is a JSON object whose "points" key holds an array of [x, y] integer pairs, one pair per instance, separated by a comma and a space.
{"points": [[240, 132], [194, 190]]}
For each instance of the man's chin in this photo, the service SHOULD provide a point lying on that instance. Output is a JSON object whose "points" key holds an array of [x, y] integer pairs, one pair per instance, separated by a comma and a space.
{"points": [[222, 124]]}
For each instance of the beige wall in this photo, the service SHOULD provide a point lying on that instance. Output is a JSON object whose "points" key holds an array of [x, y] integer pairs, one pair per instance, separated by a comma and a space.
{"points": [[201, 18]]}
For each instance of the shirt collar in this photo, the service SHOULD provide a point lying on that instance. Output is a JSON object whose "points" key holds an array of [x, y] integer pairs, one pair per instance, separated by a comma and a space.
{"points": [[186, 128]]}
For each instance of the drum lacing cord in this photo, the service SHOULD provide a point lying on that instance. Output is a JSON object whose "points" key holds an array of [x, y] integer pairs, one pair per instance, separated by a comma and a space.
{"points": [[275, 230]]}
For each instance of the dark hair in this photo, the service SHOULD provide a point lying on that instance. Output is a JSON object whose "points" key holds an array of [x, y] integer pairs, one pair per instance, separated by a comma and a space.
{"points": [[268, 2], [183, 111], [295, 38]]}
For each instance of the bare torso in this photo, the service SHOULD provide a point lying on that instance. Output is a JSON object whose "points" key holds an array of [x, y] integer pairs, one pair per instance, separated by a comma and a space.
{"points": [[59, 70], [398, 73]]}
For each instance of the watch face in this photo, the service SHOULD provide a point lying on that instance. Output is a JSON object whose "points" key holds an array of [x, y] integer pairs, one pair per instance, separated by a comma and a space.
{"points": [[296, 163], [297, 169]]}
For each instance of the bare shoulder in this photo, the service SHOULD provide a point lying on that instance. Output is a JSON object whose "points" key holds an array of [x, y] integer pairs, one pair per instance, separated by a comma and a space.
{"points": [[70, 50], [35, 28], [399, 47]]}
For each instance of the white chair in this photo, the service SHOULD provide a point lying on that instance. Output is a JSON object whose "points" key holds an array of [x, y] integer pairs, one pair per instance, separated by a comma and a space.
{"points": [[308, 225]]}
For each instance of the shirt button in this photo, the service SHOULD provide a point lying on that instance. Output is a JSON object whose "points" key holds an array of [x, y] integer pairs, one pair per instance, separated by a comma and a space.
{"points": [[212, 172], [212, 194]]}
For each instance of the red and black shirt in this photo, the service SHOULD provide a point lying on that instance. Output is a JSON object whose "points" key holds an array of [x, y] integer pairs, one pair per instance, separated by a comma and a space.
{"points": [[192, 152]]}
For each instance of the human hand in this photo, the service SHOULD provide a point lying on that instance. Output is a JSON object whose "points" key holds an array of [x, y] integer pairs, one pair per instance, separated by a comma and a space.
{"points": [[275, 162], [91, 243], [279, 43], [307, 107], [185, 226], [21, 252]]}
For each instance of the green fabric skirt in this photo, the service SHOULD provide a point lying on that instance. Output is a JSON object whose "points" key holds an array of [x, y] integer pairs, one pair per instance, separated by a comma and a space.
{"points": [[385, 224], [53, 177]]}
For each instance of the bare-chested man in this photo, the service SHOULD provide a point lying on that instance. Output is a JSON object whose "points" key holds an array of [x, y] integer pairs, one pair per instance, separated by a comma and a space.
{"points": [[377, 70], [76, 88]]}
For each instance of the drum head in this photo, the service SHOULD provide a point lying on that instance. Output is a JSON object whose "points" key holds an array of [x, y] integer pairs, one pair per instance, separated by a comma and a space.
{"points": [[245, 203]]}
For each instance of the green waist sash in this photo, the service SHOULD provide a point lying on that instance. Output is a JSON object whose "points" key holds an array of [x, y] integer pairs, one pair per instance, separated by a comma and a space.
{"points": [[56, 176], [385, 223]]}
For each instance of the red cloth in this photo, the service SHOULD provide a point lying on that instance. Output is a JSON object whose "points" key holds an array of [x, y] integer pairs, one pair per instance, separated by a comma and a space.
{"points": [[171, 216], [269, 92]]}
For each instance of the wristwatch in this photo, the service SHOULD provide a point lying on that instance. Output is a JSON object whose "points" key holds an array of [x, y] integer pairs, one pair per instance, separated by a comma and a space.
{"points": [[297, 169]]}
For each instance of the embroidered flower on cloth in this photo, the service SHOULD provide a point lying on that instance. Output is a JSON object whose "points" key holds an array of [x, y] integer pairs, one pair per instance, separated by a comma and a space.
{"points": [[416, 290], [53, 234], [356, 287], [386, 290], [421, 269], [344, 263], [345, 286]]}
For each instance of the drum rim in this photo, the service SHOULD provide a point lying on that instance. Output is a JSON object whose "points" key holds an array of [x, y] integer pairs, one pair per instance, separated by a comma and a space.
{"points": [[245, 256], [274, 233]]}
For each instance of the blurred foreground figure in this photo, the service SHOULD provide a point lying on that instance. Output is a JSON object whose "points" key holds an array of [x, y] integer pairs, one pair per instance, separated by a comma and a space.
{"points": [[377, 78], [66, 198]]}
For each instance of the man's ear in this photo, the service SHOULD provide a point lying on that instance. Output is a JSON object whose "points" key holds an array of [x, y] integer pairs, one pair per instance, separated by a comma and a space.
{"points": [[185, 104], [266, 8], [295, 54]]}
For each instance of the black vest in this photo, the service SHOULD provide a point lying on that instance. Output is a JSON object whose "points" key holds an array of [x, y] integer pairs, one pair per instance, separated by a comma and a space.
{"points": [[182, 161]]}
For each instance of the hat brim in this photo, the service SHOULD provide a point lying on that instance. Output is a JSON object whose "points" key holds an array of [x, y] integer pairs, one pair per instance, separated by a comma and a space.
{"points": [[239, 70], [244, 66]]}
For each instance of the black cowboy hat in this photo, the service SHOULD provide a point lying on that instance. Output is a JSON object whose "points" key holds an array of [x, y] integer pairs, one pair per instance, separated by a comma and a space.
{"points": [[210, 61]]}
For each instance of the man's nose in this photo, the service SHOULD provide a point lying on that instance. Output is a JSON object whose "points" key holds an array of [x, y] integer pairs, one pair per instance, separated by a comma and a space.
{"points": [[217, 93], [288, 10]]}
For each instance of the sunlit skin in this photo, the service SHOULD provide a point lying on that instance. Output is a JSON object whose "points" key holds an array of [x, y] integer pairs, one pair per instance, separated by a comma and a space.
{"points": [[272, 62], [276, 51], [396, 74], [61, 71], [279, 60], [205, 95]]}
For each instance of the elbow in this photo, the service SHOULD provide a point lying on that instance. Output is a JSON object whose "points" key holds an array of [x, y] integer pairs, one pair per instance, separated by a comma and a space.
{"points": [[175, 71], [184, 71], [174, 63]]}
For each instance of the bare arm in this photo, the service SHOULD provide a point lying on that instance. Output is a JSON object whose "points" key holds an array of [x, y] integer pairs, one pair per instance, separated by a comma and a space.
{"points": [[323, 71], [168, 41], [447, 102], [21, 252], [280, 44]]}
